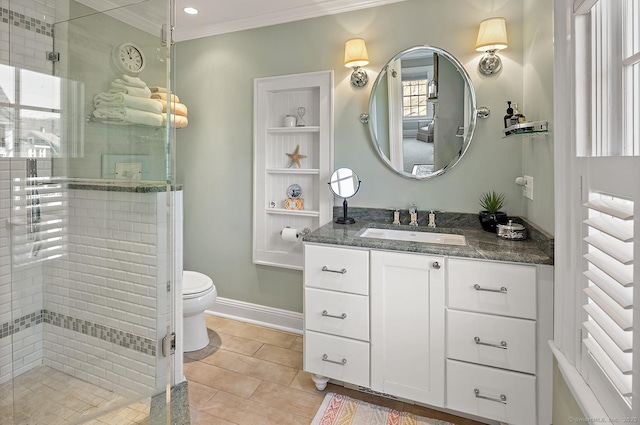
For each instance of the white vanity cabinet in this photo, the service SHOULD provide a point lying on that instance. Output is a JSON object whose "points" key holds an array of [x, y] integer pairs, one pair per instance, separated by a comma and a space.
{"points": [[407, 326], [496, 337], [462, 334], [336, 314]]}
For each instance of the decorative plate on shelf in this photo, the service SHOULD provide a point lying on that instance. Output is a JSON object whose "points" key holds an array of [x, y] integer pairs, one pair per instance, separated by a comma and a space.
{"points": [[294, 191]]}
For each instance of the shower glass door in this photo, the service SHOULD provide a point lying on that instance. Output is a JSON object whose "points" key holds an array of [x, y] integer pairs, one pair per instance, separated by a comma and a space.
{"points": [[88, 229]]}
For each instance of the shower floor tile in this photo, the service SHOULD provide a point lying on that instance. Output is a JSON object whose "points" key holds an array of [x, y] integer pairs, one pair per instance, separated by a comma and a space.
{"points": [[45, 396]]}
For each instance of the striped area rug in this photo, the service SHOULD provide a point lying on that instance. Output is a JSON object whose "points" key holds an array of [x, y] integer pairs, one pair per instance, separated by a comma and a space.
{"points": [[338, 409]]}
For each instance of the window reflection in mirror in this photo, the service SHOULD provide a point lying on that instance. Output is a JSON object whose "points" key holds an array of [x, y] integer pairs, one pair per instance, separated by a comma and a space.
{"points": [[422, 112]]}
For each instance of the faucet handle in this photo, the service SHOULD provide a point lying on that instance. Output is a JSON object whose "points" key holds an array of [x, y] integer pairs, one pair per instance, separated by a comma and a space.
{"points": [[432, 219], [396, 216], [413, 212]]}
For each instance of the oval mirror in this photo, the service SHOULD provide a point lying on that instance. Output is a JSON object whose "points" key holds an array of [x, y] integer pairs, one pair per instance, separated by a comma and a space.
{"points": [[344, 183], [422, 112]]}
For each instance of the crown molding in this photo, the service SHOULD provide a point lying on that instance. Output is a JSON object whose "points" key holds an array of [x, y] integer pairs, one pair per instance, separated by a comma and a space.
{"points": [[153, 25], [279, 17], [123, 14]]}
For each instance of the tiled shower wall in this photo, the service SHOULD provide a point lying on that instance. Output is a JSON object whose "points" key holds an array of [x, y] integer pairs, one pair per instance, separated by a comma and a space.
{"points": [[30, 26], [98, 310], [101, 298], [93, 312], [26, 33], [21, 295]]}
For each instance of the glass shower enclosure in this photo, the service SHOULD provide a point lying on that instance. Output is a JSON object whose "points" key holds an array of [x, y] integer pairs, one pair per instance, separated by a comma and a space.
{"points": [[89, 213]]}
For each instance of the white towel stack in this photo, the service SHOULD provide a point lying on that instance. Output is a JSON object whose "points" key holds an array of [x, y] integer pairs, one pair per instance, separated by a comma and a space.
{"points": [[128, 102]]}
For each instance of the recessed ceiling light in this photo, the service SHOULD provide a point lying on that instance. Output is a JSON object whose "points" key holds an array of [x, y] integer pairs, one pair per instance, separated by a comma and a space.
{"points": [[190, 10]]}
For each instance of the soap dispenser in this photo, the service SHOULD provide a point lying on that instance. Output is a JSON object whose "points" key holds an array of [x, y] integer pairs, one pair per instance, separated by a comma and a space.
{"points": [[507, 117]]}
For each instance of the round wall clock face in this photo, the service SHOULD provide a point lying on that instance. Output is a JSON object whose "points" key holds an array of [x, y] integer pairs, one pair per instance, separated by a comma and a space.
{"points": [[128, 58]]}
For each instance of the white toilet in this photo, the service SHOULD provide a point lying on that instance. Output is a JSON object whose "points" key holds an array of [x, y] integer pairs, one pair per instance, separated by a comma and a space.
{"points": [[198, 294]]}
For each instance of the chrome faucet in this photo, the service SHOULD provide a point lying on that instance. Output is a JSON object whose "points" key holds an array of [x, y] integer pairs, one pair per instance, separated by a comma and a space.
{"points": [[413, 213]]}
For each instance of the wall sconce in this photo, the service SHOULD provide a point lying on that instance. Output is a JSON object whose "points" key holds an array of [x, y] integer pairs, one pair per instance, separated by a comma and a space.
{"points": [[355, 56], [492, 36]]}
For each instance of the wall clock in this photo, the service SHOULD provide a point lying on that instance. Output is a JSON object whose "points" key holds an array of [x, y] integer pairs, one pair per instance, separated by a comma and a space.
{"points": [[128, 58]]}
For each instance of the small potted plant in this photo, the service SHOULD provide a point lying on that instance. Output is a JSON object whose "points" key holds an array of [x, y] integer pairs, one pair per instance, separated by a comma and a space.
{"points": [[491, 216]]}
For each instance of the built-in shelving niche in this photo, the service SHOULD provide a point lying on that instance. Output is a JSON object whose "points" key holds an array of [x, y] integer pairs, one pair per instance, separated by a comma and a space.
{"points": [[274, 98]]}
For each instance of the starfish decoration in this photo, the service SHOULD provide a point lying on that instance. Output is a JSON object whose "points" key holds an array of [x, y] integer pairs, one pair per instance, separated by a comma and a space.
{"points": [[296, 157]]}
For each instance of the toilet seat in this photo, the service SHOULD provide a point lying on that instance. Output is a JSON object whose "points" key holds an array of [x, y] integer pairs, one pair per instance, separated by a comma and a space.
{"points": [[195, 284]]}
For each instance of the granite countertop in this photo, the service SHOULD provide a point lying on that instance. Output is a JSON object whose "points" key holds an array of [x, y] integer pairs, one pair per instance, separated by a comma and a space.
{"points": [[536, 249], [140, 186]]}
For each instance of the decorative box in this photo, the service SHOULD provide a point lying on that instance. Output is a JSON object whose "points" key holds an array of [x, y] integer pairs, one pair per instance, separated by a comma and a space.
{"points": [[294, 204]]}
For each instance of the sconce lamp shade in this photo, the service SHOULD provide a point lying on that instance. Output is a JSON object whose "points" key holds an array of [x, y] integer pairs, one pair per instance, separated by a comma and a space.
{"points": [[355, 53], [492, 35]]}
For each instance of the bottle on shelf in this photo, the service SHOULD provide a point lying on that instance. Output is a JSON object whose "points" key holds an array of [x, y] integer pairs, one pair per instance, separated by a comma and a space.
{"points": [[517, 117], [432, 90], [507, 117]]}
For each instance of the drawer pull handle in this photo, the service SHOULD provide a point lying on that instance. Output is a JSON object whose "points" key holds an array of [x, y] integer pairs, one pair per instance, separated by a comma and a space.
{"points": [[436, 265], [327, 269], [325, 358], [502, 290], [325, 313], [502, 345], [502, 399]]}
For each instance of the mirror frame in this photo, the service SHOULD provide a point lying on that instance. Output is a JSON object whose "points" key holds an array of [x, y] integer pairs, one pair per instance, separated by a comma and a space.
{"points": [[472, 113], [354, 176]]}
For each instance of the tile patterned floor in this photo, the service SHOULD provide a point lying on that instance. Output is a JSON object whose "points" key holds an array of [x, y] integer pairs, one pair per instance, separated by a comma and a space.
{"points": [[251, 375], [247, 375], [45, 396]]}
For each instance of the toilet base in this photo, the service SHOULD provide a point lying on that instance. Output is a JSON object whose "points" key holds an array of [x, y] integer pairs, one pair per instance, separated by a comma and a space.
{"points": [[196, 336]]}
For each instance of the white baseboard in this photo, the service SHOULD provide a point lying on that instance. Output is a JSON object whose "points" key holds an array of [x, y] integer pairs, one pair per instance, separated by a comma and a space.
{"points": [[256, 314]]}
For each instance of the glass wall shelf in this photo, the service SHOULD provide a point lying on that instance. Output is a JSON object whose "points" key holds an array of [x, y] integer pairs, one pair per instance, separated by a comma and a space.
{"points": [[527, 128]]}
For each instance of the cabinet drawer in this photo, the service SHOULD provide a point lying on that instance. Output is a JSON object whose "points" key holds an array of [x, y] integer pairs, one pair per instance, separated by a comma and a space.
{"points": [[337, 313], [519, 390], [498, 341], [338, 269], [488, 287], [335, 357]]}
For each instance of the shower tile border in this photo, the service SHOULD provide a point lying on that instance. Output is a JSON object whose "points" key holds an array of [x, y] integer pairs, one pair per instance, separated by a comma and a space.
{"points": [[28, 23], [21, 323], [115, 336]]}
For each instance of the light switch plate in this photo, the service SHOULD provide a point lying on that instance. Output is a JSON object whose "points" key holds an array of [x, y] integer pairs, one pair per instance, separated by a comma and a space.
{"points": [[527, 189], [128, 170]]}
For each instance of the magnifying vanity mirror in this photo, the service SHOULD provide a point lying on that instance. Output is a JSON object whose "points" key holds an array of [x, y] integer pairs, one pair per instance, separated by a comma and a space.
{"points": [[344, 184], [422, 112]]}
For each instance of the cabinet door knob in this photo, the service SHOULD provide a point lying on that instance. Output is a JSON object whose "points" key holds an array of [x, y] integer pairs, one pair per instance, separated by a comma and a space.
{"points": [[436, 265]]}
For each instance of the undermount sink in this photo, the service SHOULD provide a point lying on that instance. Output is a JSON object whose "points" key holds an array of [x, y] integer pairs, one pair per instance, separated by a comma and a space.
{"points": [[414, 236]]}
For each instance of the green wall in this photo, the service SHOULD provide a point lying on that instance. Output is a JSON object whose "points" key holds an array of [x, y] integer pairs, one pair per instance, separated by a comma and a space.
{"points": [[537, 151], [565, 408], [214, 77]]}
